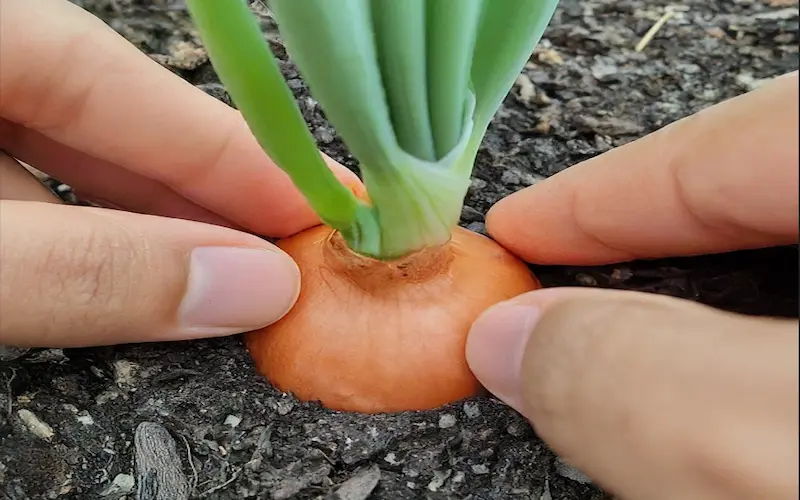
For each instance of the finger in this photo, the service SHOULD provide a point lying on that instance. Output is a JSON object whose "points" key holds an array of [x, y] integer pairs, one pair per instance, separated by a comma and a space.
{"points": [[104, 183], [17, 183], [724, 179], [117, 277], [652, 397], [75, 80]]}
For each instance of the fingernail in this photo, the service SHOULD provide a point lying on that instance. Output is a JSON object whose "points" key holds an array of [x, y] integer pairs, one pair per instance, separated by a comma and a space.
{"points": [[495, 348], [234, 290]]}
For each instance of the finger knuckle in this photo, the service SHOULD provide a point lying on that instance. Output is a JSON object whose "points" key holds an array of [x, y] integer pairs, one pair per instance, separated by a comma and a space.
{"points": [[92, 270]]}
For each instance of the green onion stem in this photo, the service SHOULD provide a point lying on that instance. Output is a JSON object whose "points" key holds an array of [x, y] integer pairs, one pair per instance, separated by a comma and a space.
{"points": [[245, 65], [509, 31], [399, 30], [410, 85], [451, 30]]}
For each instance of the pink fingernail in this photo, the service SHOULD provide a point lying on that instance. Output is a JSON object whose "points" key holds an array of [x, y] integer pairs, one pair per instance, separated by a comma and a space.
{"points": [[495, 347], [234, 290]]}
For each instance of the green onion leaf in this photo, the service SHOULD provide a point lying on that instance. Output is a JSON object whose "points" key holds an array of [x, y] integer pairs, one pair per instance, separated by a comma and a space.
{"points": [[508, 33], [452, 26], [245, 64], [399, 30], [410, 85]]}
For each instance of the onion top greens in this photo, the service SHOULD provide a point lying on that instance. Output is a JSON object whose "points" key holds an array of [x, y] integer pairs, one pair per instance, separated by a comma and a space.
{"points": [[411, 86]]}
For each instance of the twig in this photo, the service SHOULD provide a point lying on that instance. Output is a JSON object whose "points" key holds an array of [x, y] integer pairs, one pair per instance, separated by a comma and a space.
{"points": [[195, 479], [10, 379], [668, 14], [233, 478]]}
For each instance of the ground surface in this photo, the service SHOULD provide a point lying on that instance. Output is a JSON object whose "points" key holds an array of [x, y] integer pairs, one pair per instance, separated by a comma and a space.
{"points": [[68, 418]]}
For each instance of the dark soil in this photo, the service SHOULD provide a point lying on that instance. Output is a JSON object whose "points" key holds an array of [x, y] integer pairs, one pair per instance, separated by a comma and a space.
{"points": [[585, 91]]}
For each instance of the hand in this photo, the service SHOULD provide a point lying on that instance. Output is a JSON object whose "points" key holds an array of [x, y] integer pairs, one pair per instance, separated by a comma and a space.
{"points": [[655, 397], [81, 104]]}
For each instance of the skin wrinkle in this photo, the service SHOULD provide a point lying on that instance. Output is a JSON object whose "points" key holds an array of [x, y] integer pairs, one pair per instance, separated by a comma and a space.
{"points": [[124, 287], [153, 197], [51, 94], [664, 143], [143, 257], [575, 210], [702, 213], [88, 274], [180, 181]]}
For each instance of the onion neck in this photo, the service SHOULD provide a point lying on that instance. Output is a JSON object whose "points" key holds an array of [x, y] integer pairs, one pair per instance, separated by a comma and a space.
{"points": [[414, 204], [373, 275]]}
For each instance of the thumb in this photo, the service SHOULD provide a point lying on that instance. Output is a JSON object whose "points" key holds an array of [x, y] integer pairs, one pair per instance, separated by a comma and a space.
{"points": [[78, 276], [652, 397]]}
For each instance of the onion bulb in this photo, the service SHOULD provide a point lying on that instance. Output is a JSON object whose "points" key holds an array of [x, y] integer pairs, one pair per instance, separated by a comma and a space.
{"points": [[373, 336]]}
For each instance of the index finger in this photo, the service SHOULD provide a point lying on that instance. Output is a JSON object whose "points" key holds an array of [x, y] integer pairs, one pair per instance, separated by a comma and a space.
{"points": [[723, 179], [72, 78]]}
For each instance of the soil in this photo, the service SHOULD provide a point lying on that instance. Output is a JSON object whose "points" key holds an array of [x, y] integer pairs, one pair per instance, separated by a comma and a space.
{"points": [[160, 421]]}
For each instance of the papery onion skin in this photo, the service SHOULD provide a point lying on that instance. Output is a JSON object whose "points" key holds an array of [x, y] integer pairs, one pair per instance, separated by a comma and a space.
{"points": [[375, 337]]}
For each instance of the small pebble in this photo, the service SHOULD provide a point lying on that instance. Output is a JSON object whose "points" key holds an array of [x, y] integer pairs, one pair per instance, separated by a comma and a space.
{"points": [[85, 418], [446, 421], [472, 410], [477, 184], [469, 214], [621, 274], [480, 469], [515, 429], [604, 69], [121, 485], [232, 421], [35, 426], [749, 82], [360, 486], [527, 90], [284, 407], [511, 177], [124, 373], [439, 478], [324, 135]]}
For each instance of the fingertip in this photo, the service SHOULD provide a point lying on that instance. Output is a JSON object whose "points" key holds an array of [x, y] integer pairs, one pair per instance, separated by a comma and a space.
{"points": [[536, 223], [237, 289], [508, 222], [495, 345]]}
